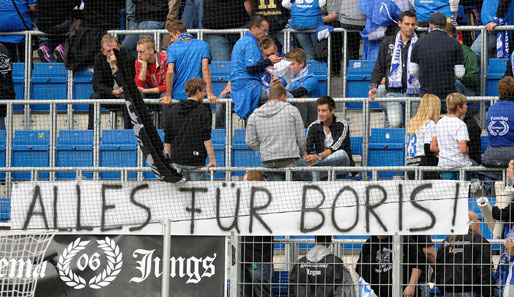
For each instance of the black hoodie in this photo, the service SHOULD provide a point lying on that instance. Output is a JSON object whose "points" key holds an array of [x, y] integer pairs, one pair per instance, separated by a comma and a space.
{"points": [[188, 125]]}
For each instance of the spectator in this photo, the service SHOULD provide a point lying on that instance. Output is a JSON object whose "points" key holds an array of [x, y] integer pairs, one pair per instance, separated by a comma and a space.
{"points": [[187, 133], [277, 17], [451, 137], [276, 130], [328, 139], [320, 273], [463, 266], [192, 14], [503, 209], [247, 65], [15, 17], [425, 9], [421, 131], [149, 15], [303, 84], [426, 245], [437, 60], [393, 57], [54, 17], [504, 275], [500, 127], [491, 14], [474, 143], [468, 84], [352, 18], [188, 58], [6, 82], [268, 49], [375, 265], [150, 70], [331, 18], [257, 256], [104, 83], [215, 16], [306, 16]]}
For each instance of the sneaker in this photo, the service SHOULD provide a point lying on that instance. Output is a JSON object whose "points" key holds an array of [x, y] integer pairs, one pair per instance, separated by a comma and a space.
{"points": [[59, 53], [44, 54]]}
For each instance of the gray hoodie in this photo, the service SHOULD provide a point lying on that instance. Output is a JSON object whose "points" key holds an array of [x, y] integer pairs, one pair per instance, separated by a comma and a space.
{"points": [[276, 130]]}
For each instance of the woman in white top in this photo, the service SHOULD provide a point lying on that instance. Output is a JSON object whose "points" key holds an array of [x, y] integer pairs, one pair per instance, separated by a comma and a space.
{"points": [[421, 131], [451, 137]]}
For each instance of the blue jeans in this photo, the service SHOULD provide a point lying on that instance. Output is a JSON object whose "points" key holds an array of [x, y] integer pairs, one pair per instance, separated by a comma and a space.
{"points": [[130, 41], [130, 11], [297, 175], [337, 158], [308, 41], [461, 88], [191, 176], [394, 110], [476, 47], [461, 294], [193, 13], [256, 280], [221, 45]]}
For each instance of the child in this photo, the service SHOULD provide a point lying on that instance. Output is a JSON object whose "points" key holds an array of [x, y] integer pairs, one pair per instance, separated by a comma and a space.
{"points": [[421, 131], [303, 84], [451, 137]]}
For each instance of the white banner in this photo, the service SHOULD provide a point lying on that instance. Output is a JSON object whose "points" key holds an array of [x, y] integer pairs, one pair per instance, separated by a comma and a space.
{"points": [[247, 208]]}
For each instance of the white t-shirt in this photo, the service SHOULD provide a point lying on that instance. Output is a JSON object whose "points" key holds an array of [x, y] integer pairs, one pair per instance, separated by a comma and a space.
{"points": [[415, 147], [328, 139], [449, 131]]}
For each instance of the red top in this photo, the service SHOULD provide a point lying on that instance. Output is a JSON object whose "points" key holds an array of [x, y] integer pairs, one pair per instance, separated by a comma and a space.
{"points": [[155, 73]]}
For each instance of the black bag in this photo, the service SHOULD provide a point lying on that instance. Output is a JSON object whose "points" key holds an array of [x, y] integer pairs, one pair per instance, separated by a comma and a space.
{"points": [[82, 45], [321, 51]]}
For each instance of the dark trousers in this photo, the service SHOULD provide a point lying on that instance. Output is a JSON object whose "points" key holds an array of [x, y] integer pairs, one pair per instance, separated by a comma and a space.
{"points": [[127, 123]]}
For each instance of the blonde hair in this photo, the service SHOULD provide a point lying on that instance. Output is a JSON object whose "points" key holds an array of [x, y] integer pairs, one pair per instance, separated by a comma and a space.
{"points": [[148, 41], [429, 109], [297, 54], [109, 39], [453, 100]]}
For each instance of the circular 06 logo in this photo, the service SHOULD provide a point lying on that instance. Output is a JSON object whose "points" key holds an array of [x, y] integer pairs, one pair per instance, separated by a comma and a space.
{"points": [[113, 266]]}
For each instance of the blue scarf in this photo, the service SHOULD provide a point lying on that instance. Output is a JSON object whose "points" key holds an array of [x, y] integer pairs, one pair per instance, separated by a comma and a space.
{"points": [[395, 73], [502, 40], [184, 37]]}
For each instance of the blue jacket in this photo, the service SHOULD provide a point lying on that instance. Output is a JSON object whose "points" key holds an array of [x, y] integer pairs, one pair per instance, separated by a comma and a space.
{"points": [[376, 12], [500, 124], [425, 8], [246, 53], [497, 8]]}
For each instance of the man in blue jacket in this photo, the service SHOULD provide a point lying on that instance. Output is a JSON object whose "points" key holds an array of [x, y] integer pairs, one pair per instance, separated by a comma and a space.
{"points": [[246, 65]]}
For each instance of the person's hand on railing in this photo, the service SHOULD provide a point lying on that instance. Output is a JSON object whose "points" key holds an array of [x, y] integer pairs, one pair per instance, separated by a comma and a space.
{"points": [[166, 100], [212, 99], [227, 90], [211, 164], [372, 93], [490, 27]]}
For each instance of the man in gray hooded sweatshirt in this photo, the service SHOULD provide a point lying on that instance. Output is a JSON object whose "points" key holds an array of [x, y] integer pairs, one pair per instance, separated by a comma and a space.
{"points": [[276, 130], [321, 274]]}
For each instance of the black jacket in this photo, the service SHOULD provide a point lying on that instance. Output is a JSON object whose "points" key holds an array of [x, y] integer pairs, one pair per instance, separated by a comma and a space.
{"points": [[464, 265], [340, 130], [104, 15], [103, 80], [320, 274], [188, 125], [6, 82], [383, 64], [474, 143]]}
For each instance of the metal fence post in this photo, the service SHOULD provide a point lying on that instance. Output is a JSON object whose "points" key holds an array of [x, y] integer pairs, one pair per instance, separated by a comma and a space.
{"points": [[483, 73], [69, 109], [397, 265], [365, 134], [235, 258], [329, 65], [166, 255], [228, 138]]}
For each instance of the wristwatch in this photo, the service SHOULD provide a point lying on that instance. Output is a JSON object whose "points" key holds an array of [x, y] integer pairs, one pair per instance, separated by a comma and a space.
{"points": [[319, 157], [114, 67]]}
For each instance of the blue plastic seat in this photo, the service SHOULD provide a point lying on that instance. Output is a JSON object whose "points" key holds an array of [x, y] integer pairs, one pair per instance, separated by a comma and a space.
{"points": [[320, 71], [74, 149], [49, 81], [386, 148], [82, 87], [30, 149], [495, 72], [218, 143], [150, 175], [18, 77], [484, 141], [118, 148], [5, 209], [242, 154], [358, 80], [280, 281], [220, 75]]}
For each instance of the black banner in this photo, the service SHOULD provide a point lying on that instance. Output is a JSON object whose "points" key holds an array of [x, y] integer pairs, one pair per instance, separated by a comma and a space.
{"points": [[147, 136], [126, 265]]}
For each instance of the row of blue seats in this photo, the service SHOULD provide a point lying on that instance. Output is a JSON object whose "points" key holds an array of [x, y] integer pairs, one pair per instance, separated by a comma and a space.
{"points": [[118, 148], [359, 79], [49, 81]]}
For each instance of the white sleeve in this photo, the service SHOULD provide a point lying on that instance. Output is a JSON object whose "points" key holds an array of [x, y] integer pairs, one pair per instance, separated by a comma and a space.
{"points": [[454, 5], [459, 71], [462, 132], [287, 4], [429, 132], [413, 69], [322, 3]]}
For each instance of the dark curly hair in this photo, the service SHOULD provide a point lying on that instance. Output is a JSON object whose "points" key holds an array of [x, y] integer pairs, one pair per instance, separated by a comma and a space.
{"points": [[506, 88]]}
